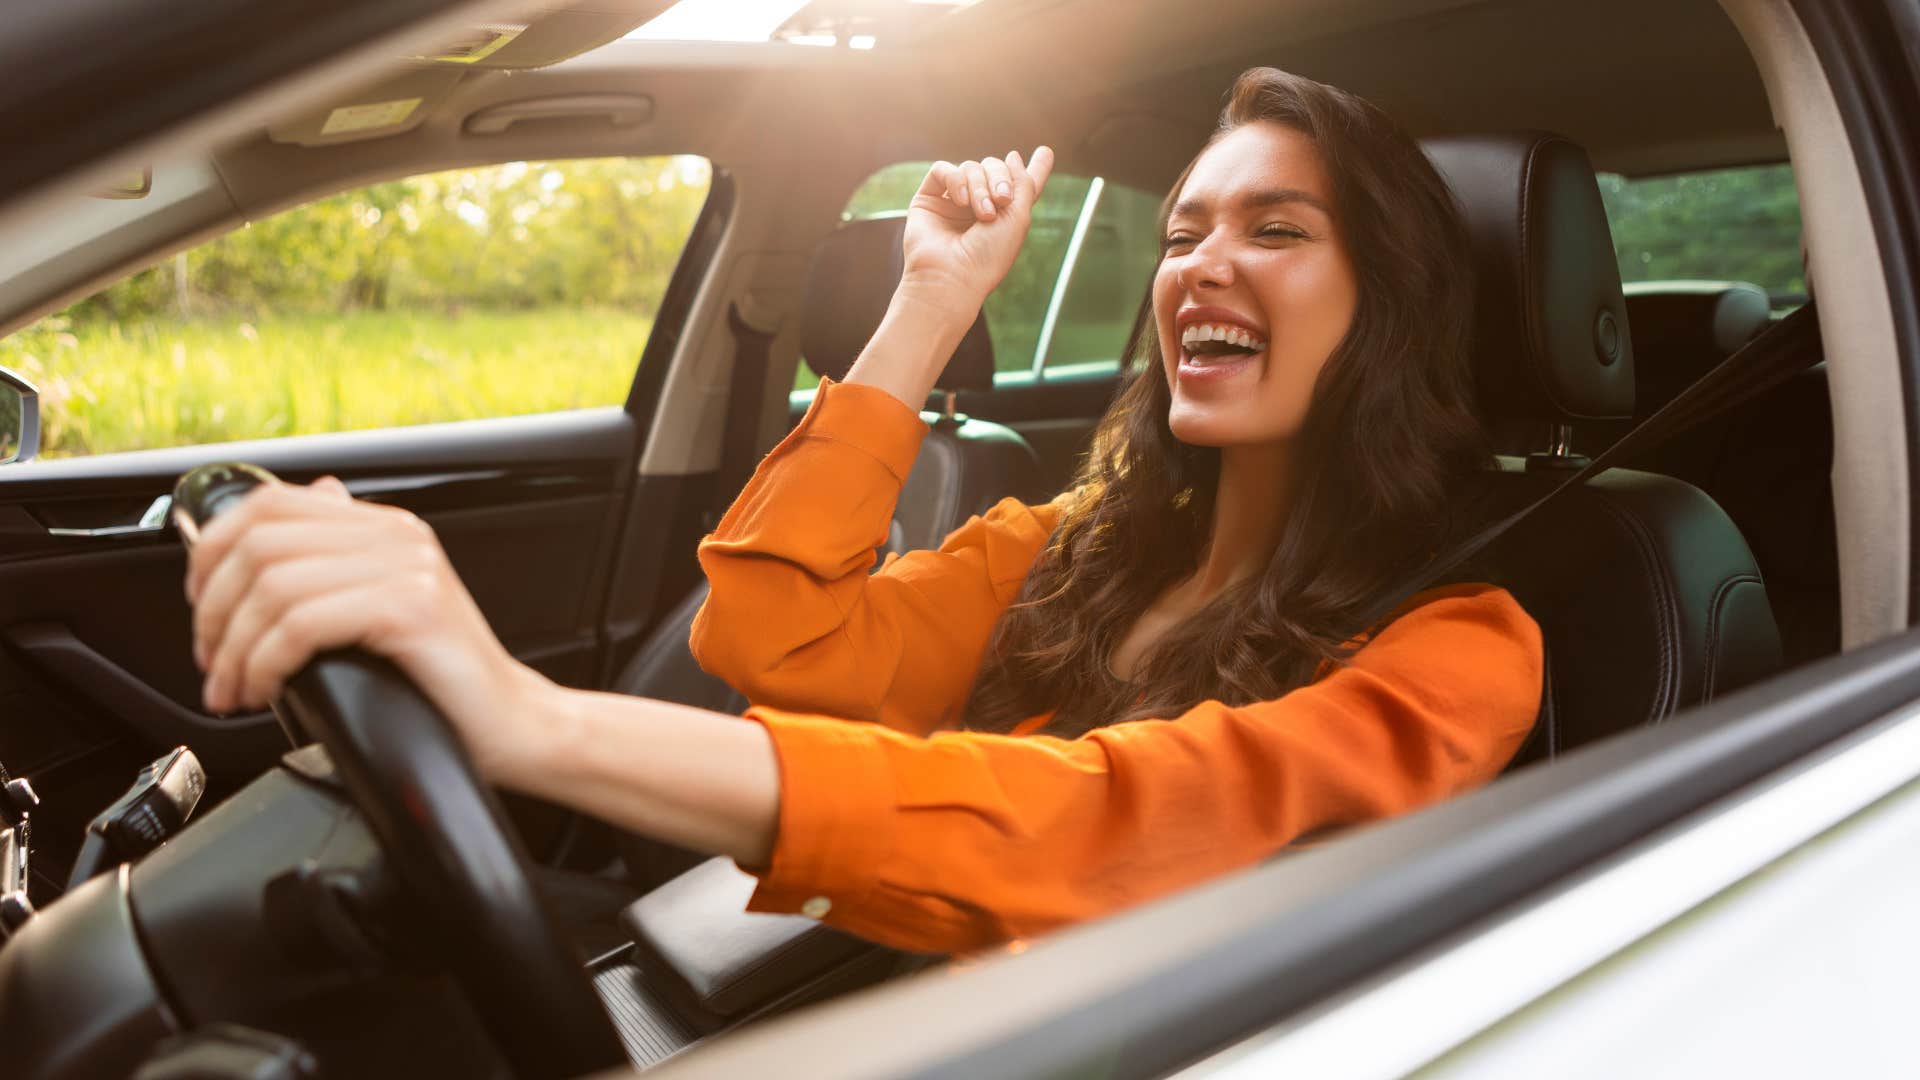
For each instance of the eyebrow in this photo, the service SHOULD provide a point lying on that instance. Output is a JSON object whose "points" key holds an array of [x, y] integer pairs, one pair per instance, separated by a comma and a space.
{"points": [[1258, 200]]}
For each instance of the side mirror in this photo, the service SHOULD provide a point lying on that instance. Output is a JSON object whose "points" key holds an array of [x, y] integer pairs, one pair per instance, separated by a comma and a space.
{"points": [[19, 418]]}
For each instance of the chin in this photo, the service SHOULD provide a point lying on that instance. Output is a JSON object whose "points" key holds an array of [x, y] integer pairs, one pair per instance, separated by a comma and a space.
{"points": [[1202, 427]]}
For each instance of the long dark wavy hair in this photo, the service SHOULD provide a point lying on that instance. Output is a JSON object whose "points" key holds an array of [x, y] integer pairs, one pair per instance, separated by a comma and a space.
{"points": [[1388, 443]]}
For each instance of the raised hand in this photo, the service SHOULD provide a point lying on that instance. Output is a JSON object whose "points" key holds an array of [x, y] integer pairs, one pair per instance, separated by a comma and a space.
{"points": [[966, 224]]}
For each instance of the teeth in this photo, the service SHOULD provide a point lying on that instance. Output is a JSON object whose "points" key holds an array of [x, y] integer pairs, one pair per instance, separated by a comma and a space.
{"points": [[1198, 332]]}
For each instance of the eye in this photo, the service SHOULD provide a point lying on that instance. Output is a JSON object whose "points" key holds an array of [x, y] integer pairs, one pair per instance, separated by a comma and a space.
{"points": [[1280, 231], [1168, 243]]}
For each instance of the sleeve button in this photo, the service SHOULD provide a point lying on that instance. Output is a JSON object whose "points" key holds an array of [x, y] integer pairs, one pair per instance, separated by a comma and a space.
{"points": [[816, 908]]}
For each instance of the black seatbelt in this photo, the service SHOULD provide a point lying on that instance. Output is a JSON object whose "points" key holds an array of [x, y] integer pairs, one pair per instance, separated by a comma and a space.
{"points": [[1778, 353], [746, 387]]}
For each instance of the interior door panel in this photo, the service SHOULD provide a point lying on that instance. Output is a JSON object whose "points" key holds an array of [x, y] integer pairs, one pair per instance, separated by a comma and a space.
{"points": [[97, 676]]}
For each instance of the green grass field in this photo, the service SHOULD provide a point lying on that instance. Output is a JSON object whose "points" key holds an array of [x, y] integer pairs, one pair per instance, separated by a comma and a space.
{"points": [[135, 386]]}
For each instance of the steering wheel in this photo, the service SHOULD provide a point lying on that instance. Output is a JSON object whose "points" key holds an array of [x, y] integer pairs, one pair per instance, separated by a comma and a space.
{"points": [[443, 832]]}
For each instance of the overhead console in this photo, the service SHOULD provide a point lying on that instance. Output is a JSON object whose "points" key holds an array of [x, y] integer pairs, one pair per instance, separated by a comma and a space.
{"points": [[546, 34]]}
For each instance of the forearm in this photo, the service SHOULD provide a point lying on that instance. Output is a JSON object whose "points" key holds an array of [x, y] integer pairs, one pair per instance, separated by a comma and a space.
{"points": [[699, 779], [915, 340]]}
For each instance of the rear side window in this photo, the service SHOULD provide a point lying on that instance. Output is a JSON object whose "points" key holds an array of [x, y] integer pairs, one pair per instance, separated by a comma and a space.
{"points": [[1071, 295], [517, 288], [1740, 224]]}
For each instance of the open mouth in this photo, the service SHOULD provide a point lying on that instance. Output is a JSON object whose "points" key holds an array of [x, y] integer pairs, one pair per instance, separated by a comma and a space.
{"points": [[1217, 347]]}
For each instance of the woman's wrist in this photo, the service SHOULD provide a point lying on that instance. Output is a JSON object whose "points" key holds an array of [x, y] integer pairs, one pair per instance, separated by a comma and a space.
{"points": [[918, 335], [537, 732], [698, 779], [950, 303]]}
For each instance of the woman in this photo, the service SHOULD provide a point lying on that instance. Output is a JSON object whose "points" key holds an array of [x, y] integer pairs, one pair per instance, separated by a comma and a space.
{"points": [[1177, 668]]}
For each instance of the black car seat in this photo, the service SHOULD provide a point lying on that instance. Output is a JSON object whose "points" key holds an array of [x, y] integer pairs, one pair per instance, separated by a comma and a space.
{"points": [[964, 466], [1681, 331], [1768, 463], [1647, 595]]}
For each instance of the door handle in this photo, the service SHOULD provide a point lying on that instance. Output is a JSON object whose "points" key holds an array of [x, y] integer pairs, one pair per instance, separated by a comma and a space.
{"points": [[152, 521]]}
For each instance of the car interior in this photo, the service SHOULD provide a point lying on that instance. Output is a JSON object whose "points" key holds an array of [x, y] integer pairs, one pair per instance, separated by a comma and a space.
{"points": [[1737, 550]]}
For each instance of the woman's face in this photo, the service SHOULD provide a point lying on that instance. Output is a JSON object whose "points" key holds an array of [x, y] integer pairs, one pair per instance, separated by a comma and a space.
{"points": [[1255, 289]]}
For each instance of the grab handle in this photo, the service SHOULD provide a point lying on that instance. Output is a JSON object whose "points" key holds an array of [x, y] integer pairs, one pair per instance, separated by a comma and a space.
{"points": [[620, 110]]}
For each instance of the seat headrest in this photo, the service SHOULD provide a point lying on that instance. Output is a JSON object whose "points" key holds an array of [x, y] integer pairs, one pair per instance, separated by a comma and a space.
{"points": [[1550, 339], [854, 273], [1682, 329]]}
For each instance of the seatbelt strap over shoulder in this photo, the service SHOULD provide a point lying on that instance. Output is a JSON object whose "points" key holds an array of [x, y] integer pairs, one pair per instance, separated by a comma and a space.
{"points": [[740, 440], [1778, 353]]}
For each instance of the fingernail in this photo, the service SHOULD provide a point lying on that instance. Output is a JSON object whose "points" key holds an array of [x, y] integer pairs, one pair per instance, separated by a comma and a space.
{"points": [[200, 656], [1003, 188], [206, 696], [986, 204]]}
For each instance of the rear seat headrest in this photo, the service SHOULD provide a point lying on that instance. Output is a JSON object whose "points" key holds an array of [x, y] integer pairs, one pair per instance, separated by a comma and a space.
{"points": [[1550, 340], [1681, 329], [854, 272]]}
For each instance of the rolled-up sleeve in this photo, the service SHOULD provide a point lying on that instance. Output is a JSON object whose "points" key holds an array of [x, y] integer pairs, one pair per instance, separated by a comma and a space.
{"points": [[961, 840]]}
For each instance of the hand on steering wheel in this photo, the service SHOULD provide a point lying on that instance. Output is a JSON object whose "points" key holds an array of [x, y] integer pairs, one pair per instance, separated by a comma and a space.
{"points": [[290, 572], [287, 580]]}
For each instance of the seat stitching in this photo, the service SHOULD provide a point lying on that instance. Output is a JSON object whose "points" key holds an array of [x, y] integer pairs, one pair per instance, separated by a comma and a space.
{"points": [[1713, 629], [1666, 617]]}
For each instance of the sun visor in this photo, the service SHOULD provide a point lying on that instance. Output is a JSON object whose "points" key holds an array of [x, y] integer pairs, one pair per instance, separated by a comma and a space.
{"points": [[388, 107], [401, 101]]}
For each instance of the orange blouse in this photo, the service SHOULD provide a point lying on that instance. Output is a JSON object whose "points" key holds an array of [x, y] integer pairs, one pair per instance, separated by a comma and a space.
{"points": [[944, 841]]}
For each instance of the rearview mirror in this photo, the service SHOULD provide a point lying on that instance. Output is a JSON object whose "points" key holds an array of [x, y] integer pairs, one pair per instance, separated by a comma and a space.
{"points": [[19, 418]]}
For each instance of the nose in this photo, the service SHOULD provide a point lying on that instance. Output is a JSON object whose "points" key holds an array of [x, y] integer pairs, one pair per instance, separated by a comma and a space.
{"points": [[1206, 265]]}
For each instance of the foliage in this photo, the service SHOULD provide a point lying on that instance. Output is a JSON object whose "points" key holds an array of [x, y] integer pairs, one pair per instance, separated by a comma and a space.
{"points": [[9, 422], [516, 288], [592, 233], [1727, 224], [108, 386]]}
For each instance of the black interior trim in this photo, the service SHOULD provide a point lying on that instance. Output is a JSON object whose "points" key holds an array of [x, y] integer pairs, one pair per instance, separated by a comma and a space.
{"points": [[1868, 53], [1287, 935], [583, 443], [655, 565], [229, 744]]}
